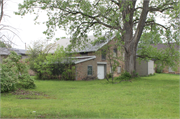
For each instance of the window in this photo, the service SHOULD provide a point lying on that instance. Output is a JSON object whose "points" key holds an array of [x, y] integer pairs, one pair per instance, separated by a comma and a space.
{"points": [[110, 70], [103, 55], [115, 52], [119, 70], [89, 70]]}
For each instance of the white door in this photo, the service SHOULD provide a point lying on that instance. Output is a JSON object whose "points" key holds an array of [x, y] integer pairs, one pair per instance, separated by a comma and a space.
{"points": [[100, 71]]}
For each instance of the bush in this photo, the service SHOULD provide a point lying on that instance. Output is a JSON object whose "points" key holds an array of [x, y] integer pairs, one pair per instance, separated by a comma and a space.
{"points": [[57, 66], [124, 76], [9, 77], [109, 75], [159, 69], [14, 74]]}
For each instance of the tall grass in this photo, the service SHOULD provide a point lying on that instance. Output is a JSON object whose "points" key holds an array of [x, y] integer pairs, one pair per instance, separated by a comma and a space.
{"points": [[146, 97]]}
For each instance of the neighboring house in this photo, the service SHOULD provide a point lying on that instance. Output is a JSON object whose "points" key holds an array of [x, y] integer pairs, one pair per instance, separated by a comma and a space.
{"points": [[90, 62], [4, 52], [168, 69]]}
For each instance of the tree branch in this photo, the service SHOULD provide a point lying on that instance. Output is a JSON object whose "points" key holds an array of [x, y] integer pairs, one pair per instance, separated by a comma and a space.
{"points": [[141, 22], [95, 18], [2, 7], [154, 58], [115, 2], [152, 23], [138, 8], [161, 8]]}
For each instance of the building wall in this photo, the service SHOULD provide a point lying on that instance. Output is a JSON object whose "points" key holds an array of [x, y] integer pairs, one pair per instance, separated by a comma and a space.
{"points": [[24, 57], [170, 70], [83, 73], [142, 67], [82, 69]]}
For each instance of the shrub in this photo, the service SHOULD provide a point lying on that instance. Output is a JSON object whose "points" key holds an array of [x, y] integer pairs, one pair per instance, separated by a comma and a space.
{"points": [[14, 74], [124, 76], [159, 69], [109, 75], [9, 76], [57, 66]]}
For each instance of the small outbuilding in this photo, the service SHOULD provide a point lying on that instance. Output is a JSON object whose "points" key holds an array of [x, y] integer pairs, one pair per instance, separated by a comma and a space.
{"points": [[144, 67]]}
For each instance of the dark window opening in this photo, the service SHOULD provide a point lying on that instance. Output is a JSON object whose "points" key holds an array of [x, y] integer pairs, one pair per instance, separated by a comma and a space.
{"points": [[115, 52], [103, 55], [89, 70]]}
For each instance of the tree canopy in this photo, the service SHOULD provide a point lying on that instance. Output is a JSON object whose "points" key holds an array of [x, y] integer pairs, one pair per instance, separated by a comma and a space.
{"points": [[126, 19]]}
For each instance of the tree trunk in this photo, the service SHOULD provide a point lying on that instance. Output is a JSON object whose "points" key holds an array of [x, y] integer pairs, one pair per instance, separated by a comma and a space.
{"points": [[130, 60], [131, 40]]}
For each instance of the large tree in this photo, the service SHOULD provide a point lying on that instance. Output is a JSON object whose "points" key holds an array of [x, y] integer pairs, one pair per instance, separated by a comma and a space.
{"points": [[124, 18]]}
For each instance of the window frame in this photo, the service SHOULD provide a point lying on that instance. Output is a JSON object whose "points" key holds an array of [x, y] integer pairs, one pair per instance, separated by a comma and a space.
{"points": [[115, 52], [103, 54], [88, 70]]}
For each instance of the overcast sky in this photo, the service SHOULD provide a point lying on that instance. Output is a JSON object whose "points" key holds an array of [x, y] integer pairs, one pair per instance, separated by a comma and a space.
{"points": [[25, 28]]}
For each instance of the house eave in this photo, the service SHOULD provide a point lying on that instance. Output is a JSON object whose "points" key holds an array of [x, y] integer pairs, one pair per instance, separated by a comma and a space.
{"points": [[93, 57]]}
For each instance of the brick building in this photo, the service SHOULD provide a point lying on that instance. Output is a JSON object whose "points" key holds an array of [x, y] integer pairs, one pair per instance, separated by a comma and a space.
{"points": [[91, 62]]}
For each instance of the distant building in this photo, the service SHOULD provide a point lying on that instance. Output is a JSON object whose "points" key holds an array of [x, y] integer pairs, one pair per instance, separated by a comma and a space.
{"points": [[4, 52]]}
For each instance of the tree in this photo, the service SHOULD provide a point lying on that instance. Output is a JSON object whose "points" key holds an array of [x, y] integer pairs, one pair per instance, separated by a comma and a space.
{"points": [[57, 66], [38, 52], [124, 18], [7, 32], [151, 36], [61, 64]]}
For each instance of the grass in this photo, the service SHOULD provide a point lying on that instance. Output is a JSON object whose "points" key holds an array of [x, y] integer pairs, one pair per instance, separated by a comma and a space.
{"points": [[146, 97]]}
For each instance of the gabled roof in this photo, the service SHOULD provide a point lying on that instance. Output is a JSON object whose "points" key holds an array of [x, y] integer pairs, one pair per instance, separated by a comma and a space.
{"points": [[6, 51], [91, 48], [87, 47], [164, 46]]}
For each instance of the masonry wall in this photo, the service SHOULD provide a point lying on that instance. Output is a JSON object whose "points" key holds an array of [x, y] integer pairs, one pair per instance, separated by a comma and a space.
{"points": [[82, 69], [167, 70], [112, 43]]}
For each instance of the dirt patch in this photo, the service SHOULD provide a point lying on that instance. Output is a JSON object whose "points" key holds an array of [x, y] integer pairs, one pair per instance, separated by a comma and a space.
{"points": [[25, 94]]}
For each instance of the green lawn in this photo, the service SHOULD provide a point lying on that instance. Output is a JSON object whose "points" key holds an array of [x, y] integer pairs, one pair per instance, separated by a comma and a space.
{"points": [[146, 97]]}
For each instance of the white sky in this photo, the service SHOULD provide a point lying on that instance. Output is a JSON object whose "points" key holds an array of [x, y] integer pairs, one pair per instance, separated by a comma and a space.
{"points": [[25, 28]]}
